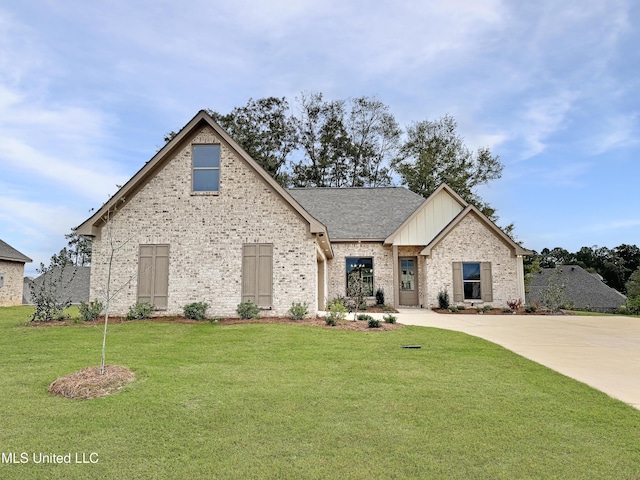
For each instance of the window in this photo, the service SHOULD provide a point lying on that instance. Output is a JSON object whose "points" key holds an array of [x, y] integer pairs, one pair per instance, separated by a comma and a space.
{"points": [[472, 282], [257, 273], [153, 275], [206, 168], [360, 268]]}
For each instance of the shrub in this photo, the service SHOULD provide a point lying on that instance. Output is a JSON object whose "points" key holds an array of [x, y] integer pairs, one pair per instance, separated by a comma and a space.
{"points": [[486, 308], [453, 309], [389, 318], [298, 310], [214, 320], [248, 310], [337, 312], [373, 322], [515, 305], [90, 311], [49, 291], [140, 311], [196, 310], [633, 305], [364, 316], [379, 297], [530, 308], [506, 310], [443, 299]]}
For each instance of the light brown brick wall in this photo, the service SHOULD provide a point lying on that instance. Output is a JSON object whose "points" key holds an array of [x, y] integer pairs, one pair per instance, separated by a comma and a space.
{"points": [[205, 234], [472, 241], [11, 291], [382, 268]]}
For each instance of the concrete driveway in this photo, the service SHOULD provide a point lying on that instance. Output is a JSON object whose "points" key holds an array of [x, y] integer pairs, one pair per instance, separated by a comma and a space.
{"points": [[603, 352]]}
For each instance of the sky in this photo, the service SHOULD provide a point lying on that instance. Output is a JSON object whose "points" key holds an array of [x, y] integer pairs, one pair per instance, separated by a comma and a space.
{"points": [[89, 89]]}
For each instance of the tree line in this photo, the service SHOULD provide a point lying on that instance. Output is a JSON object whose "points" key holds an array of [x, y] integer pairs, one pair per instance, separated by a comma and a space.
{"points": [[357, 142], [615, 265]]}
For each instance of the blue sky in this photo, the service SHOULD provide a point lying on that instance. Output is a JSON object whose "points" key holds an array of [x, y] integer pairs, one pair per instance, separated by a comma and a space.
{"points": [[88, 89]]}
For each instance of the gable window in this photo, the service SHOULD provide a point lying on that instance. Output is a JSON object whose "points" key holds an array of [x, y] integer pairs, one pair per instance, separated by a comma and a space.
{"points": [[360, 268], [472, 282], [257, 274], [206, 168]]}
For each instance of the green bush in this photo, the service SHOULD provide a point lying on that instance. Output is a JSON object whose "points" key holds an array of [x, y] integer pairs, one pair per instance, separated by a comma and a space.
{"points": [[248, 310], [373, 322], [140, 311], [530, 308], [443, 300], [298, 310], [389, 318], [453, 309], [486, 308], [337, 312], [633, 305], [90, 311], [364, 316], [379, 297], [196, 310]]}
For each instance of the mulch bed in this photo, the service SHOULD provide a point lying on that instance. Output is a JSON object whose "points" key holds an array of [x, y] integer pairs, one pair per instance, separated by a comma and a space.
{"points": [[90, 383], [496, 311], [358, 325]]}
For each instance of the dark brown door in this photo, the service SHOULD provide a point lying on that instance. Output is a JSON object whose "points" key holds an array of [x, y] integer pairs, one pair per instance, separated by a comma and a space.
{"points": [[408, 270]]}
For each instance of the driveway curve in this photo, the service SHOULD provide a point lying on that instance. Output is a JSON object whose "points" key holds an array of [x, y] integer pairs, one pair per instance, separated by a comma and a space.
{"points": [[603, 352]]}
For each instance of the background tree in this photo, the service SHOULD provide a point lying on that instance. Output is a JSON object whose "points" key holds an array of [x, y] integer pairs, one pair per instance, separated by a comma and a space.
{"points": [[265, 130], [344, 143], [49, 291], [79, 248], [433, 153]]}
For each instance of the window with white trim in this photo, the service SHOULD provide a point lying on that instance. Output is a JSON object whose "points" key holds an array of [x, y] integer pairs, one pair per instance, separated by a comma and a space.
{"points": [[206, 168]]}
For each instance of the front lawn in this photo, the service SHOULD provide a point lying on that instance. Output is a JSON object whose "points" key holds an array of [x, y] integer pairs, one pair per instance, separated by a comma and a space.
{"points": [[290, 401]]}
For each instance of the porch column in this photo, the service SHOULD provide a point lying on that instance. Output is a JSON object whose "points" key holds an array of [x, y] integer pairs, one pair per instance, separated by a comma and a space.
{"points": [[396, 278]]}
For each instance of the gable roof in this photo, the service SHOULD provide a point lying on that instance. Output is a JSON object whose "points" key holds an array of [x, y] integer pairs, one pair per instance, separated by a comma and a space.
{"points": [[360, 213], [90, 226], [471, 210], [584, 289], [7, 252], [437, 216]]}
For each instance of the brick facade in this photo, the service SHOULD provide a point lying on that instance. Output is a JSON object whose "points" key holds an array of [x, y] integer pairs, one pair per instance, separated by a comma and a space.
{"points": [[13, 283], [205, 234], [472, 241]]}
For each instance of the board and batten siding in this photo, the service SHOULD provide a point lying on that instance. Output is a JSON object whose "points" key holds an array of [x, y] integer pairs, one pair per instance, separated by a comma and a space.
{"points": [[429, 220]]}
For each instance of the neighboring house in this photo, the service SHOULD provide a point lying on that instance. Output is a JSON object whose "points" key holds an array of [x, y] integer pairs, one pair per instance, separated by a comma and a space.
{"points": [[202, 221], [584, 290], [11, 275], [73, 284]]}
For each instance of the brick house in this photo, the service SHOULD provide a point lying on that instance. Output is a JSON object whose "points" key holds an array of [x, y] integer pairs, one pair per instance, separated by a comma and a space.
{"points": [[11, 275], [202, 221]]}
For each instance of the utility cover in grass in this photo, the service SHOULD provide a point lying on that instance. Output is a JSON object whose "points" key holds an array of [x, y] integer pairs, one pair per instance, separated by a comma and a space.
{"points": [[89, 383]]}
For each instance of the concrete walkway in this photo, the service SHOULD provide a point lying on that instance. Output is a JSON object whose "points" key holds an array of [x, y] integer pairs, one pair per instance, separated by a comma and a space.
{"points": [[603, 352]]}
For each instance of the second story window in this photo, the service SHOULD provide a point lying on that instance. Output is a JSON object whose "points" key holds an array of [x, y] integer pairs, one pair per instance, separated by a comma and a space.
{"points": [[206, 168]]}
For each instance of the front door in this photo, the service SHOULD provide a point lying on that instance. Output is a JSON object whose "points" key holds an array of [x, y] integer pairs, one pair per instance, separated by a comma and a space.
{"points": [[408, 269]]}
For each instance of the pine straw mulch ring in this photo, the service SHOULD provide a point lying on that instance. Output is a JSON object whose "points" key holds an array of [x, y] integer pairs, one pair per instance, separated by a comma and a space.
{"points": [[89, 383]]}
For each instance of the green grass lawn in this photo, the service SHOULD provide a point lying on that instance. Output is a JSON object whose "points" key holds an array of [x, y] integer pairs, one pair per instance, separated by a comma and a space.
{"points": [[289, 401]]}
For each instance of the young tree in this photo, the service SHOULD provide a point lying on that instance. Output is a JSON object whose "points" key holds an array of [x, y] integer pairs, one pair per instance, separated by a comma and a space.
{"points": [[434, 153], [49, 291]]}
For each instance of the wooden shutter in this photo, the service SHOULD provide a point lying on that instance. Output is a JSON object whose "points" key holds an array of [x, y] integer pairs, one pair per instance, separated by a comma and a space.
{"points": [[257, 273], [153, 275], [486, 282], [458, 288]]}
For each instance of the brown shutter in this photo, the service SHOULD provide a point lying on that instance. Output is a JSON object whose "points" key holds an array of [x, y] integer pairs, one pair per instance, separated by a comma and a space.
{"points": [[486, 282], [458, 289], [153, 275], [257, 274]]}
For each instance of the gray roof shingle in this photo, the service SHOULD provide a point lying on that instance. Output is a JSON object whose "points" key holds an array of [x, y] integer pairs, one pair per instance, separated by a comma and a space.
{"points": [[358, 213], [582, 288], [7, 252]]}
